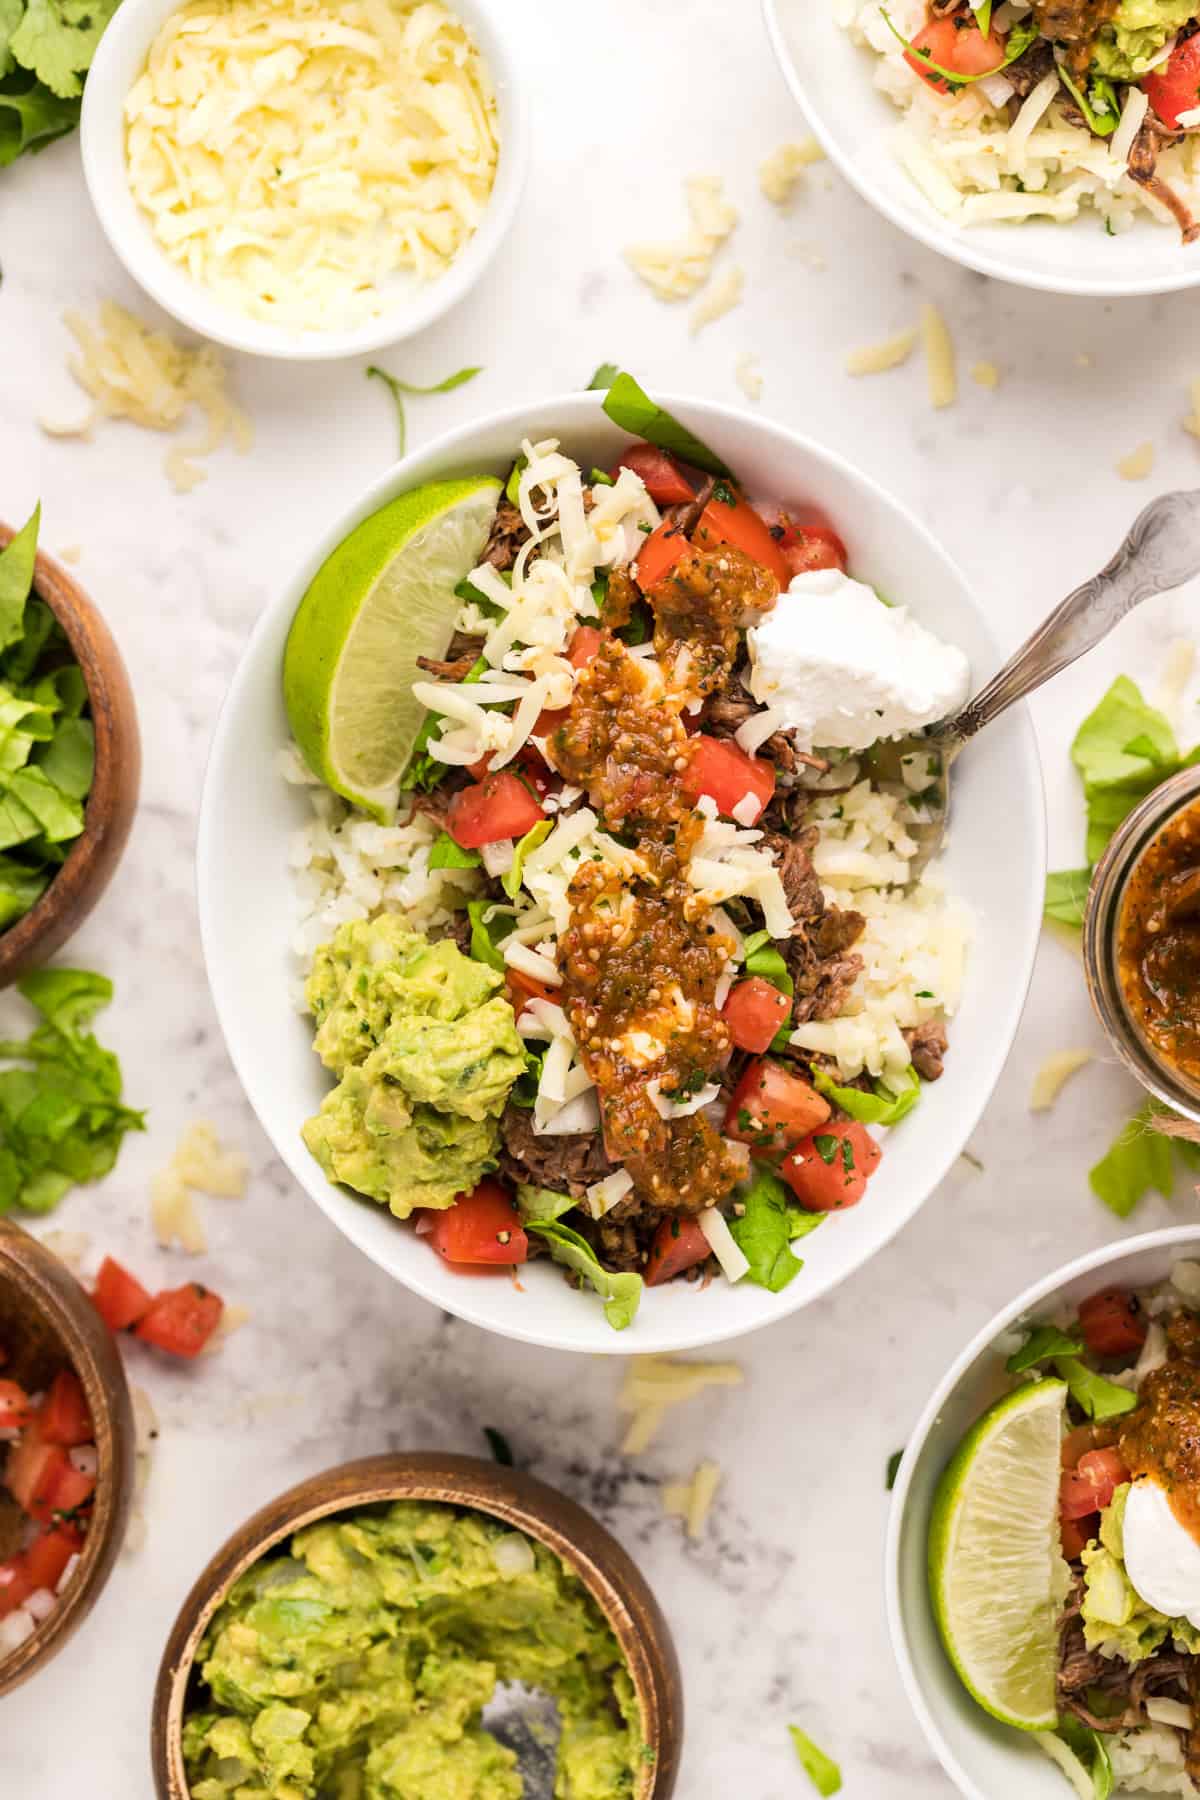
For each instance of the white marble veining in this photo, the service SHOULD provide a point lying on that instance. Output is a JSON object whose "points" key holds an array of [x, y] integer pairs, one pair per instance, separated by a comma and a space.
{"points": [[778, 1613]]}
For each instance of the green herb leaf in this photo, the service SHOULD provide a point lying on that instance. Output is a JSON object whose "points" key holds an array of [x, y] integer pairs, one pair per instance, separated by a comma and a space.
{"points": [[1042, 1345], [1099, 105], [499, 1446], [31, 116], [484, 936], [760, 957], [983, 16], [1097, 1397], [537, 834], [621, 1294], [1090, 1749], [1066, 895], [399, 388], [1139, 1160], [604, 376], [600, 478], [1023, 34], [512, 487], [821, 1770], [630, 407], [882, 1107], [446, 854], [17, 562], [893, 1469], [763, 1231]]}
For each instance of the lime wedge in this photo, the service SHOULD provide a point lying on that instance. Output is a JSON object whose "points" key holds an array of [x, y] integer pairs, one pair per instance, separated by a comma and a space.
{"points": [[384, 597], [997, 1579]]}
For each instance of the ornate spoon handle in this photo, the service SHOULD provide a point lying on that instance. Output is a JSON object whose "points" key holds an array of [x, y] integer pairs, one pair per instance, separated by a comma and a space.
{"points": [[1162, 551]]}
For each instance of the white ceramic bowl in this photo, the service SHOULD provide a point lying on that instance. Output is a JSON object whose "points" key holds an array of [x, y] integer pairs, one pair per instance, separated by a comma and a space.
{"points": [[987, 1760], [118, 63], [831, 78], [247, 908]]}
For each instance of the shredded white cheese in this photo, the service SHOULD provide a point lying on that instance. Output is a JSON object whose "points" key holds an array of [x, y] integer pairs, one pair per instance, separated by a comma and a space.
{"points": [[602, 1196], [1192, 421], [939, 357], [233, 1317], [653, 1384], [692, 1500], [876, 359], [198, 1165], [1052, 1075], [1180, 667], [985, 375], [302, 158], [1138, 464], [749, 375], [733, 1261], [779, 173], [719, 298], [676, 271]]}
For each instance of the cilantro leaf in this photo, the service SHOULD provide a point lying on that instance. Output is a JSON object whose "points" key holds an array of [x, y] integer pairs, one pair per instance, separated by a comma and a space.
{"points": [[1089, 1748], [57, 39]]}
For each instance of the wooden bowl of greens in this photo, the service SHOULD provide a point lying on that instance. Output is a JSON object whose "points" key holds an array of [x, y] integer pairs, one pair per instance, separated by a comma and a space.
{"points": [[70, 755]]}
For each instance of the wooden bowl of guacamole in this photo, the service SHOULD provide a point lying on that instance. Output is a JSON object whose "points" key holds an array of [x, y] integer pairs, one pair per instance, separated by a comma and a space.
{"points": [[419, 1624]]}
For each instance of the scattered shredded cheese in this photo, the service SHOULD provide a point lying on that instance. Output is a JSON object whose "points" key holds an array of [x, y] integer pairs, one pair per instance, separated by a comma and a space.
{"points": [[985, 375], [875, 359], [779, 173], [173, 1213], [720, 297], [198, 1164], [654, 1383], [70, 553], [1138, 464], [303, 158], [692, 1500], [134, 372], [1180, 667], [676, 271], [1050, 1079], [232, 1319], [749, 376], [1192, 422], [939, 358], [721, 1242]]}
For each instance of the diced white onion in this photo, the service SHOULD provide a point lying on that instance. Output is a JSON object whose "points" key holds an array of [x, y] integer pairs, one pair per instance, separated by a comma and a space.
{"points": [[580, 1114], [747, 809], [497, 858], [1153, 1352], [753, 732], [720, 1242], [602, 1196], [721, 991], [85, 1459], [14, 1631], [68, 1573], [998, 90], [1189, 118], [666, 1108], [542, 1018], [40, 1604], [1169, 1712], [513, 1555]]}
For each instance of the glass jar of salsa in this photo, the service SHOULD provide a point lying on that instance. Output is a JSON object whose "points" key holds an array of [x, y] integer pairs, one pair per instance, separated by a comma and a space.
{"points": [[1141, 942]]}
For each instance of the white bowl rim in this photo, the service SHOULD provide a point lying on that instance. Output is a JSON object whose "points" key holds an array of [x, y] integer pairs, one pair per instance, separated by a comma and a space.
{"points": [[1026, 1302], [927, 230], [799, 1294], [135, 24]]}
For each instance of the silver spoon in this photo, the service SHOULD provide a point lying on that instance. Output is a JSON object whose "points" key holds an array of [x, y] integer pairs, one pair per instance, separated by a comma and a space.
{"points": [[1162, 551]]}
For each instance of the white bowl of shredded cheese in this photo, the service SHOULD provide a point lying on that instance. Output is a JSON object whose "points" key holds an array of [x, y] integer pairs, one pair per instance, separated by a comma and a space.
{"points": [[306, 179], [251, 819], [1036, 203]]}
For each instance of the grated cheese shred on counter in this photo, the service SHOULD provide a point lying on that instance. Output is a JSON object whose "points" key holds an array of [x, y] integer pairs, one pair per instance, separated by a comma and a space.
{"points": [[198, 1165], [692, 1500], [677, 270], [939, 358], [1138, 464], [779, 173], [303, 159], [653, 1384], [876, 359], [1052, 1076]]}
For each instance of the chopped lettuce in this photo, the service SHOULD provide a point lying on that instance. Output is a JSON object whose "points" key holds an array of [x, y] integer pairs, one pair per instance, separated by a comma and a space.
{"points": [[446, 854], [484, 935], [763, 1231], [983, 16], [1098, 1397], [1042, 1345], [881, 1107], [541, 1203], [1090, 1752], [1138, 1160], [893, 1469], [1066, 895], [604, 377], [760, 957], [511, 879], [630, 407], [821, 1770], [621, 1294]]}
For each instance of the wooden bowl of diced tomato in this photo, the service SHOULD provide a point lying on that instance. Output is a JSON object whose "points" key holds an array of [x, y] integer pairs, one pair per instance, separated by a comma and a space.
{"points": [[66, 1455]]}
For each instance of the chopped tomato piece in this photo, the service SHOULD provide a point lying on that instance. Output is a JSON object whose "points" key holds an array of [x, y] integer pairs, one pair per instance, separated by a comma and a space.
{"points": [[723, 771], [1091, 1484], [831, 1168], [43, 1480], [483, 1226], [120, 1298], [1174, 87], [1077, 1534], [734, 521], [772, 1109], [64, 1417], [15, 1585], [754, 1012], [1113, 1323], [501, 806], [15, 1410], [522, 987], [181, 1320], [958, 45], [659, 554], [678, 1244], [48, 1555], [584, 645], [805, 548], [1083, 1438], [666, 483]]}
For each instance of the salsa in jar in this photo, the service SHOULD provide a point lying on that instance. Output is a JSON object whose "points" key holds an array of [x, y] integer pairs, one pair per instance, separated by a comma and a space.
{"points": [[1158, 943]]}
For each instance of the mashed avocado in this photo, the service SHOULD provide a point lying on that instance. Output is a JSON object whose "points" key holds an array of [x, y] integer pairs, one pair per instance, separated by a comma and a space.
{"points": [[1135, 34], [427, 1050], [356, 1666], [1116, 1620]]}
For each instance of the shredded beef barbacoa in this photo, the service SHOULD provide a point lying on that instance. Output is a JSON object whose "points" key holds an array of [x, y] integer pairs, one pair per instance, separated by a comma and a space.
{"points": [[460, 658], [508, 533], [566, 1165], [928, 1045], [1108, 1694]]}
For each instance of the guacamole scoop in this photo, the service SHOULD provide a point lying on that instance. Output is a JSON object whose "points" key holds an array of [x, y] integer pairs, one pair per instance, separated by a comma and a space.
{"points": [[1136, 32], [355, 1665], [426, 1048]]}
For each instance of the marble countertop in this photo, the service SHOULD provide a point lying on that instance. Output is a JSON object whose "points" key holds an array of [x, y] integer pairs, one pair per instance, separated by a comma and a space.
{"points": [[778, 1612]]}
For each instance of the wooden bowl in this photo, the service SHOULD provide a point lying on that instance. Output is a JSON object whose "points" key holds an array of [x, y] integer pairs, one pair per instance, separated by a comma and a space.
{"points": [[605, 1569], [47, 1320], [93, 857]]}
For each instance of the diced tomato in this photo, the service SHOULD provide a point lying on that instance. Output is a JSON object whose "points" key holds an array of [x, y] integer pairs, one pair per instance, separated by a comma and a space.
{"points": [[1083, 1438], [772, 1109], [659, 554], [481, 1227], [1112, 1322], [181, 1320], [678, 1244], [831, 1168], [722, 770], [522, 987], [1174, 87], [958, 45], [805, 548], [49, 1554], [64, 1417], [666, 483], [584, 645], [1077, 1534], [120, 1298], [15, 1410], [15, 1585], [500, 806], [754, 1012], [43, 1480], [1091, 1484], [734, 521]]}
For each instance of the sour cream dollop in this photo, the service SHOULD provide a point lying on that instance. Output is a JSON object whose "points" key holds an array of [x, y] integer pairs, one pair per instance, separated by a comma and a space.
{"points": [[843, 670], [1162, 1558]]}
